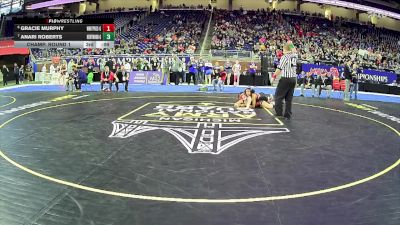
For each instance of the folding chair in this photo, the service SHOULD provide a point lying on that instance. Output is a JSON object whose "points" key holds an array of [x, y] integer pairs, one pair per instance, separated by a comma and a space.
{"points": [[336, 85], [336, 88]]}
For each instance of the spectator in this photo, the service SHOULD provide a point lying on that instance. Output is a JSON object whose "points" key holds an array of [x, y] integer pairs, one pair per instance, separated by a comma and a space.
{"points": [[21, 74], [52, 71], [301, 77], [237, 68], [44, 73], [348, 77], [28, 72], [252, 72], [320, 40], [122, 77], [228, 69], [70, 77], [16, 73], [354, 82], [127, 67], [201, 70], [208, 72], [80, 79], [324, 82], [107, 76], [193, 71], [166, 68], [5, 71], [308, 83], [219, 80], [176, 69]]}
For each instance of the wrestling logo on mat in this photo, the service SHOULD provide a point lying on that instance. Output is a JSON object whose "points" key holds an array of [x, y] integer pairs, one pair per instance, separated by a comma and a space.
{"points": [[201, 127]]}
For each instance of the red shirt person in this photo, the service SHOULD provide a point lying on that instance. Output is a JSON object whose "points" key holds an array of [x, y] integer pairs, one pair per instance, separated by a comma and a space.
{"points": [[107, 76]]}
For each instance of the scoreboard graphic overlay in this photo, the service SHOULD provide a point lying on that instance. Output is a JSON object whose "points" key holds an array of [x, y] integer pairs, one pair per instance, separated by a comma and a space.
{"points": [[64, 33]]}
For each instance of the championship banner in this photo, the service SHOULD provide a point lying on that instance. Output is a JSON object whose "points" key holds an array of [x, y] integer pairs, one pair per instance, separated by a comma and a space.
{"points": [[147, 77], [377, 76], [365, 75], [334, 71], [121, 59]]}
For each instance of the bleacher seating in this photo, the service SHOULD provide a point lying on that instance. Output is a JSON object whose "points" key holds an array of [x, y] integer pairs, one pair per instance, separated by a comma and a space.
{"points": [[121, 19], [167, 31], [318, 39]]}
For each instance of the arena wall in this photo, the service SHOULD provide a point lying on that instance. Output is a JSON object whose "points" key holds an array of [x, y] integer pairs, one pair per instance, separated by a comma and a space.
{"points": [[250, 4], [363, 17], [290, 5], [222, 4], [312, 8], [262, 4], [342, 12], [186, 2], [90, 7], [389, 23], [108, 4]]}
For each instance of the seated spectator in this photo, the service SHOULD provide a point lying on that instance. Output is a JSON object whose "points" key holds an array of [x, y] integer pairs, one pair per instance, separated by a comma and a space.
{"points": [[308, 83], [301, 77], [80, 79], [324, 82], [320, 39], [219, 80], [122, 77], [107, 76]]}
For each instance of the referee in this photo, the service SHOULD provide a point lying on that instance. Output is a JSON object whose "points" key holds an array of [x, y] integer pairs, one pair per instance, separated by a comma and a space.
{"points": [[287, 70]]}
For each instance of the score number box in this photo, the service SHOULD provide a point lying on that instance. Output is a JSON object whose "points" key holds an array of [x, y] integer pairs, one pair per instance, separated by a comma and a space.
{"points": [[108, 36], [108, 28]]}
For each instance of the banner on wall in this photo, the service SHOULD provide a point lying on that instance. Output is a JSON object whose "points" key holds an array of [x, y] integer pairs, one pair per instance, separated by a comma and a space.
{"points": [[121, 59], [374, 76], [334, 71], [377, 76], [147, 77]]}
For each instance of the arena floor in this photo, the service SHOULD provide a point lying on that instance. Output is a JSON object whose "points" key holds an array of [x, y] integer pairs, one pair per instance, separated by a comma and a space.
{"points": [[175, 158]]}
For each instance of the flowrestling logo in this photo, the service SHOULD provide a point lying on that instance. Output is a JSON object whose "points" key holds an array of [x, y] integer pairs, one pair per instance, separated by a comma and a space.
{"points": [[201, 127]]}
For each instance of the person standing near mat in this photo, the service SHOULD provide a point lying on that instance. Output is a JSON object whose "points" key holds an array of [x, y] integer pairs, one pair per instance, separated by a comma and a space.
{"points": [[176, 68], [285, 89], [5, 71], [237, 69], [252, 72], [348, 77], [16, 73]]}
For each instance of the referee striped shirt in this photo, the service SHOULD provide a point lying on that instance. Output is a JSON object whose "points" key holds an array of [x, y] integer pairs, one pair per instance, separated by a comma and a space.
{"points": [[288, 65]]}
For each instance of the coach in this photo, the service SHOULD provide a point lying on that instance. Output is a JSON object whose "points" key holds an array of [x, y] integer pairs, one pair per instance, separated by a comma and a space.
{"points": [[287, 70]]}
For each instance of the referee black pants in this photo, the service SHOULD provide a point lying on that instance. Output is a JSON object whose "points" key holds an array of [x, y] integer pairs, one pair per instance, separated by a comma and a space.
{"points": [[285, 91]]}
